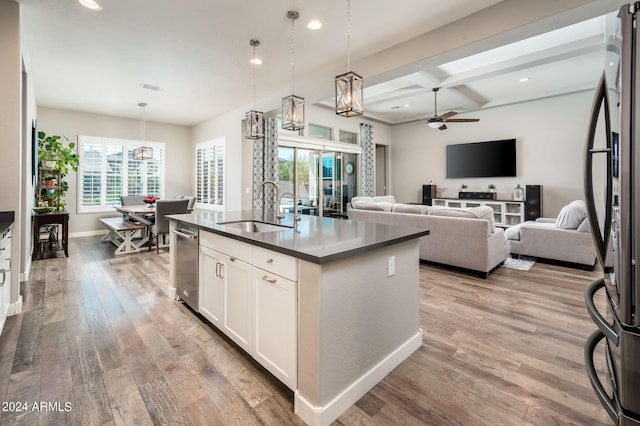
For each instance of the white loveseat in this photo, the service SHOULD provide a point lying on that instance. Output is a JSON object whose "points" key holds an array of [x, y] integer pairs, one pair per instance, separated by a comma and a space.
{"points": [[472, 242], [566, 238]]}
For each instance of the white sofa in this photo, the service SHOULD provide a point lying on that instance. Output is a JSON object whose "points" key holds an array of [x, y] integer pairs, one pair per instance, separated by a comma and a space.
{"points": [[566, 238], [464, 242]]}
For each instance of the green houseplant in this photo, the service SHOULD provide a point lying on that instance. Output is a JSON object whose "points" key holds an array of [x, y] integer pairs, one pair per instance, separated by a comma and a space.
{"points": [[57, 152], [492, 187]]}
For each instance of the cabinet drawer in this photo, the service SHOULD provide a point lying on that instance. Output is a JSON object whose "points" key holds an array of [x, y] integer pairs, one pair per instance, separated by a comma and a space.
{"points": [[228, 246], [276, 263]]}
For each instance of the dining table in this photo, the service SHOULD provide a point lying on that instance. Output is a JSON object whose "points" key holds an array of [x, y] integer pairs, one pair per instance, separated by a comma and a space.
{"points": [[141, 213]]}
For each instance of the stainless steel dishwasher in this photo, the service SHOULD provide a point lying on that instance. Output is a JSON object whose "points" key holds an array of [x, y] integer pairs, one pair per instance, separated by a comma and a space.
{"points": [[187, 264]]}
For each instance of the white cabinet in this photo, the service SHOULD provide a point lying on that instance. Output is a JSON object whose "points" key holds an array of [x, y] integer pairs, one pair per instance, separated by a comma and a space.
{"points": [[211, 285], [5, 278], [505, 213], [276, 326], [251, 294], [238, 279]]}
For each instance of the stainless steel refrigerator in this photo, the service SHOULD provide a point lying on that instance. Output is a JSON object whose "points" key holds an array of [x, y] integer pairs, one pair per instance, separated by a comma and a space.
{"points": [[612, 186]]}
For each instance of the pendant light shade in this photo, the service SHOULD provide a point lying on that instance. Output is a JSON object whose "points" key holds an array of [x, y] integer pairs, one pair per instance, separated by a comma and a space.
{"points": [[254, 123], [143, 152], [349, 100], [349, 86], [292, 105]]}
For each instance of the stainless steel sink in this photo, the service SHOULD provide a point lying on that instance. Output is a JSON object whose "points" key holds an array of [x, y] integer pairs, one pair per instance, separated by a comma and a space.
{"points": [[254, 226]]}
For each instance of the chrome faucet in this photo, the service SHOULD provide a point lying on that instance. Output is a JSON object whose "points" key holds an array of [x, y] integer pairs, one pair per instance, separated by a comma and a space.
{"points": [[296, 214], [275, 185]]}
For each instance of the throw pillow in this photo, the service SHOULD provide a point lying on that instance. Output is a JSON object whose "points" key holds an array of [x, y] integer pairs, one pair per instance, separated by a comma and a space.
{"points": [[483, 212], [584, 226], [571, 215], [408, 208], [365, 205]]}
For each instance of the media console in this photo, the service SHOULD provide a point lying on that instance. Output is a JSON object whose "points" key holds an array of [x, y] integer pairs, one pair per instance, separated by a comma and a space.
{"points": [[506, 212]]}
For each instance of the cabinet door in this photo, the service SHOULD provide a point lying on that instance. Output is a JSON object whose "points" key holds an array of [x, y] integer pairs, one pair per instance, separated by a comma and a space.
{"points": [[238, 278], [5, 278], [211, 285], [276, 326]]}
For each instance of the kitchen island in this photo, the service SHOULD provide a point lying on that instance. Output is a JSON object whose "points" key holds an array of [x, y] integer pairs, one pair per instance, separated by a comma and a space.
{"points": [[328, 306]]}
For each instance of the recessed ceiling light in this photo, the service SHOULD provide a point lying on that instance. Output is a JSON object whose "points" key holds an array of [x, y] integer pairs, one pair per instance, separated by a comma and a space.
{"points": [[256, 61], [524, 79], [314, 25], [407, 105], [90, 4]]}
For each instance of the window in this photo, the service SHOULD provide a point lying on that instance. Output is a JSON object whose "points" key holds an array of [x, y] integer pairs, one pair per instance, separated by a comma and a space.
{"points": [[320, 132], [107, 170], [348, 137], [210, 174], [281, 130]]}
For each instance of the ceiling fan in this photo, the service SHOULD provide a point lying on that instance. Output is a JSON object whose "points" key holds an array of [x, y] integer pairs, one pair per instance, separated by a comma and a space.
{"points": [[439, 121]]}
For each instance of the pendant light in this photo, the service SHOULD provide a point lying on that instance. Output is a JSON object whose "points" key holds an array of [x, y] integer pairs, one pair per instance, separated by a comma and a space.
{"points": [[349, 99], [292, 105], [143, 152], [254, 125]]}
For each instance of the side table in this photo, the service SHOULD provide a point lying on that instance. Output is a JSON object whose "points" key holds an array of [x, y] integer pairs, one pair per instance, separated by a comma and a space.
{"points": [[53, 218]]}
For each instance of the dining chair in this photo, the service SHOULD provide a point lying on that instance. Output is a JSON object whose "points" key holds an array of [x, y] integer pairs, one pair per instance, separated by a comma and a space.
{"points": [[161, 226], [131, 200], [191, 198]]}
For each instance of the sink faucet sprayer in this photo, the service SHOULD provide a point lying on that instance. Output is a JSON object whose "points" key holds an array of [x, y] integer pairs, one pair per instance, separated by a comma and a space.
{"points": [[275, 186], [296, 214]]}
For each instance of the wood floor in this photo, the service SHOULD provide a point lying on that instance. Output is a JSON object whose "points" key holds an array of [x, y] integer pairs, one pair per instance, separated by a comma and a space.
{"points": [[99, 342]]}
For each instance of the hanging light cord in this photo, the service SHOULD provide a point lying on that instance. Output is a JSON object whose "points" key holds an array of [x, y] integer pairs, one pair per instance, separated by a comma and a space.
{"points": [[293, 56], [143, 126], [348, 35], [253, 81]]}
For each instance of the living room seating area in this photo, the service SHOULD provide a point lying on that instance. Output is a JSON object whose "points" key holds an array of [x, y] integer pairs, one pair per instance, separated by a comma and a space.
{"points": [[464, 238]]}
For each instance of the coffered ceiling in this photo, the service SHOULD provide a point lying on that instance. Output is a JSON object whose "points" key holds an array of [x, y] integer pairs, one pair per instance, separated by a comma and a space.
{"points": [[196, 52]]}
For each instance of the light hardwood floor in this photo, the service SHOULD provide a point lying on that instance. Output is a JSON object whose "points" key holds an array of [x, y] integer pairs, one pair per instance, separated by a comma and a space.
{"points": [[99, 337]]}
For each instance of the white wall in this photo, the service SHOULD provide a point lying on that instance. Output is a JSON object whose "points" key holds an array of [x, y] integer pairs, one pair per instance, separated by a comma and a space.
{"points": [[11, 129], [550, 139], [179, 153]]}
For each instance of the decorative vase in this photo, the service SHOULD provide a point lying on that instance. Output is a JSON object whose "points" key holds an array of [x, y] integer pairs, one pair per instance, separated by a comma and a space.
{"points": [[518, 193]]}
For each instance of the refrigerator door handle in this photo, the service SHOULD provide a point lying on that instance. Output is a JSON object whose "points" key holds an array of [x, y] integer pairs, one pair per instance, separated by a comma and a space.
{"points": [[608, 403], [600, 239], [606, 328]]}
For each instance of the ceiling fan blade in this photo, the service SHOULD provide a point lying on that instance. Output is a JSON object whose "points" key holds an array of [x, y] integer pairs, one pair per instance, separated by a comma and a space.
{"points": [[462, 120], [448, 114]]}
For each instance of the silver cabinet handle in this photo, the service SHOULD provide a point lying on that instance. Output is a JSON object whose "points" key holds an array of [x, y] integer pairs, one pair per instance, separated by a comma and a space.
{"points": [[4, 276], [219, 270], [269, 260], [270, 280]]}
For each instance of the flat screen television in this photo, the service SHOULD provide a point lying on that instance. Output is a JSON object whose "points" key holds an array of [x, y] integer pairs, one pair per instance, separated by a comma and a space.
{"points": [[482, 159]]}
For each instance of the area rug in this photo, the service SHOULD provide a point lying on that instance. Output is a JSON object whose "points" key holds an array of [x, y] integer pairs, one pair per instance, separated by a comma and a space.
{"points": [[522, 264]]}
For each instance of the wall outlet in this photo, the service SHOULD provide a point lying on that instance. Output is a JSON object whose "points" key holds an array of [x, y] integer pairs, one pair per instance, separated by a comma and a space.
{"points": [[391, 266], [247, 191]]}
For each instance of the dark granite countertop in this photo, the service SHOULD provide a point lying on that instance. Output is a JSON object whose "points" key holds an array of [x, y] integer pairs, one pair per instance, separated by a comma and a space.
{"points": [[315, 239], [6, 221]]}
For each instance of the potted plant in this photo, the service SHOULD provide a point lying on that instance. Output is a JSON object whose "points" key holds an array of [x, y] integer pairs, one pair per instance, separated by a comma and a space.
{"points": [[463, 187], [492, 187], [58, 153], [49, 181]]}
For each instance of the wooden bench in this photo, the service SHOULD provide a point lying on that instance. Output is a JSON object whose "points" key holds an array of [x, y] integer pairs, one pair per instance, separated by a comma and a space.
{"points": [[120, 233]]}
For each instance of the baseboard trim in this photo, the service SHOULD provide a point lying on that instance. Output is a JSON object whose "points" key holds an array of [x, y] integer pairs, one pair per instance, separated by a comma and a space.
{"points": [[325, 415]]}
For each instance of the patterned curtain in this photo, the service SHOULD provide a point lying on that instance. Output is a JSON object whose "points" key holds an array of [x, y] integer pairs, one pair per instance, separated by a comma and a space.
{"points": [[265, 165], [367, 161]]}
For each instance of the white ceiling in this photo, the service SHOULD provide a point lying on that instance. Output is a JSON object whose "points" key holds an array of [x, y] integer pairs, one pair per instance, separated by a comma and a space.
{"points": [[197, 52]]}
